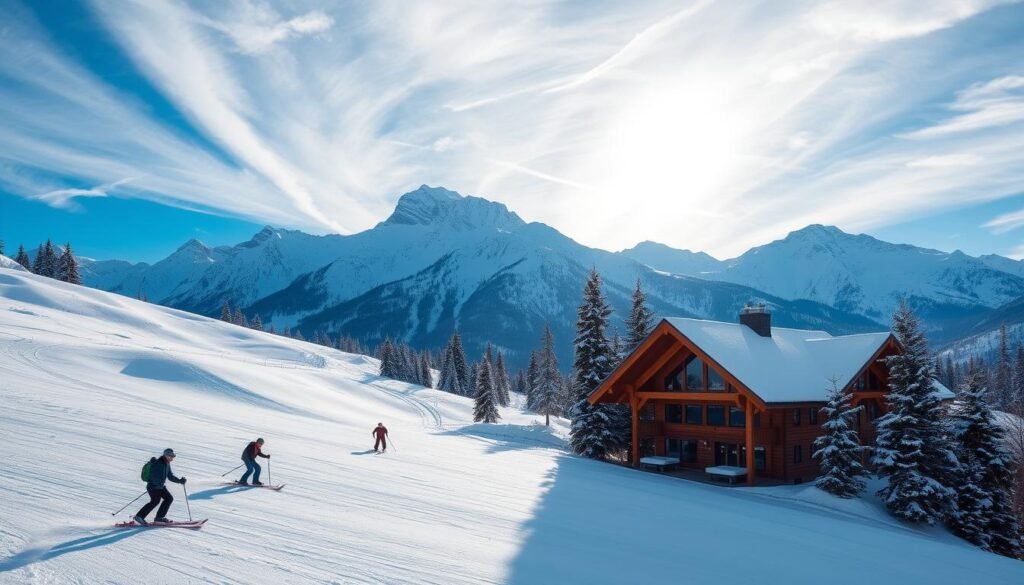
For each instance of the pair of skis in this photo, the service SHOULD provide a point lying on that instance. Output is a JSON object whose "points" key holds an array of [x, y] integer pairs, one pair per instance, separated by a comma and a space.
{"points": [[191, 524], [276, 488]]}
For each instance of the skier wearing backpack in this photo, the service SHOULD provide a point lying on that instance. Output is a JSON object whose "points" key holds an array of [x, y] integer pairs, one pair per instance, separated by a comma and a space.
{"points": [[249, 455], [155, 474], [381, 433]]}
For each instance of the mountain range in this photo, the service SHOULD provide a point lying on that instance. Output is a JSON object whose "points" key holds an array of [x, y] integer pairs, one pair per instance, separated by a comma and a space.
{"points": [[443, 261]]}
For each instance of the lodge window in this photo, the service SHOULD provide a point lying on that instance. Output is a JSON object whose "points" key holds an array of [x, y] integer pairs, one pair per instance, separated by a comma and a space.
{"points": [[686, 451], [674, 381], [695, 375], [812, 415], [861, 383], [872, 410], [737, 418], [647, 447], [873, 383], [716, 416], [673, 413], [694, 414], [647, 413], [798, 453], [715, 381], [760, 461], [796, 417]]}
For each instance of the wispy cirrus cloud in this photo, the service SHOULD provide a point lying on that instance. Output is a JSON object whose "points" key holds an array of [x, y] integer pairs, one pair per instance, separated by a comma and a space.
{"points": [[615, 123]]}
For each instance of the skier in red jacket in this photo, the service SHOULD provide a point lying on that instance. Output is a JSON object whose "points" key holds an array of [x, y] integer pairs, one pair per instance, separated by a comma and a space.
{"points": [[381, 433], [252, 451]]}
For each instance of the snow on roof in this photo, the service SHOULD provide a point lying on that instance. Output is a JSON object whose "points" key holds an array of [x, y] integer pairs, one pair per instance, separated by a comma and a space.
{"points": [[793, 365]]}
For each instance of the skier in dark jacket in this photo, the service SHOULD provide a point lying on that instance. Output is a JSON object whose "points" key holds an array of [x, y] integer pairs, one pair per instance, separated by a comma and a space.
{"points": [[252, 451], [381, 433], [159, 473]]}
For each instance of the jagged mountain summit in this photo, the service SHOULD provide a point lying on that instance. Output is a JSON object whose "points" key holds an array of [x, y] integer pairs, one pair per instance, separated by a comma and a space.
{"points": [[863, 275], [440, 261]]}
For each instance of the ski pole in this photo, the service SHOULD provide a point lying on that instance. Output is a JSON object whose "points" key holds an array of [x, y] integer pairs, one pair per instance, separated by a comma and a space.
{"points": [[269, 482], [186, 502], [130, 503], [393, 446], [223, 474]]}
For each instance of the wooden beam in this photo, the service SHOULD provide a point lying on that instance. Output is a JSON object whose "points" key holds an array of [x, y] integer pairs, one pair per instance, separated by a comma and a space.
{"points": [[661, 362], [661, 330], [750, 442], [635, 404], [741, 387], [859, 396], [692, 396]]}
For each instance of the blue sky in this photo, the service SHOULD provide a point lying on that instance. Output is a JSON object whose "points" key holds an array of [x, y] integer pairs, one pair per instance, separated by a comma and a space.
{"points": [[131, 126]]}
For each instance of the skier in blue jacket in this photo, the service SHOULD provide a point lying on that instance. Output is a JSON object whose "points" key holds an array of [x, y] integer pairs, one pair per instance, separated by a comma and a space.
{"points": [[159, 473]]}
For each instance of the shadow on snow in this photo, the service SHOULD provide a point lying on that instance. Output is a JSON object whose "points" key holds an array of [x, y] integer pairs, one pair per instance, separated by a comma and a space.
{"points": [[39, 554]]}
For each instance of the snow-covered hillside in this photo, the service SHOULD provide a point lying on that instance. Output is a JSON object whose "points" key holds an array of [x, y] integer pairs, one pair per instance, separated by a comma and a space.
{"points": [[92, 384]]}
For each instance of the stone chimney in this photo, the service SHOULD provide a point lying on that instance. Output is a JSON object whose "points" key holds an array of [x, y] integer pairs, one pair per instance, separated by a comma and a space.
{"points": [[757, 318]]}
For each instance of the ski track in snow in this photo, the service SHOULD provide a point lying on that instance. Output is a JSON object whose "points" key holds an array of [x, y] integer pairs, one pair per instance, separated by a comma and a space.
{"points": [[92, 385]]}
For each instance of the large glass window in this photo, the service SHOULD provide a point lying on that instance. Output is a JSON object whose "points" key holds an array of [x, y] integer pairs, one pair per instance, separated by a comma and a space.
{"points": [[812, 415], [872, 410], [647, 447], [695, 375], [716, 416], [796, 417], [689, 451], [694, 414], [672, 448], [861, 383], [760, 461], [673, 413], [737, 418], [715, 381], [873, 382], [798, 453], [674, 381]]}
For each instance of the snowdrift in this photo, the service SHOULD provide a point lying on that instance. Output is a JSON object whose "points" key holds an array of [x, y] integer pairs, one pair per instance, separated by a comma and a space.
{"points": [[93, 384]]}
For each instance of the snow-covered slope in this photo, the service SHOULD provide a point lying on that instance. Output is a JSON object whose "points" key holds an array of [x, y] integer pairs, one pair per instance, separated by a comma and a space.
{"points": [[10, 264], [668, 259], [92, 384]]}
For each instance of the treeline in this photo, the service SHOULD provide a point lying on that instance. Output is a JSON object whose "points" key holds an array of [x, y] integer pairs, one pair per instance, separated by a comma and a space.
{"points": [[51, 261], [235, 316], [1002, 373]]}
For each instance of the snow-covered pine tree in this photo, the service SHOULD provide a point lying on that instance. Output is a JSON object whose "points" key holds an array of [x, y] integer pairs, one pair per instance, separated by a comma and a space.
{"points": [[485, 408], [470, 389], [387, 357], [912, 450], [533, 379], [640, 321], [425, 367], [38, 264], [547, 379], [226, 314], [984, 514], [446, 378], [257, 322], [22, 258], [2, 247], [67, 266], [239, 318], [502, 385], [1018, 383], [1003, 381], [298, 335], [271, 330], [519, 385], [460, 368], [592, 433], [50, 260], [838, 449]]}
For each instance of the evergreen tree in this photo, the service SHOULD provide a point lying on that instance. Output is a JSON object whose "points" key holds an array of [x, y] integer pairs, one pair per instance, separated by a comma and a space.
{"points": [[388, 355], [533, 378], [38, 264], [912, 451], [22, 258], [470, 389], [460, 368], [257, 322], [239, 318], [548, 385], [226, 314], [271, 330], [1017, 404], [502, 385], [425, 367], [67, 266], [519, 385], [485, 408], [298, 334], [640, 321], [984, 514], [592, 433], [838, 448], [618, 349], [1004, 372], [50, 260], [447, 379]]}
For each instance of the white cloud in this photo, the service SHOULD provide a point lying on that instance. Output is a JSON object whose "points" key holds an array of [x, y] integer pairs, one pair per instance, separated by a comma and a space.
{"points": [[65, 197], [1006, 222], [613, 122]]}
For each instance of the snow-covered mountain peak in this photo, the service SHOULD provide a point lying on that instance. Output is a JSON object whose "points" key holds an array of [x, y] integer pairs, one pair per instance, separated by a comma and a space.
{"points": [[437, 206], [193, 246]]}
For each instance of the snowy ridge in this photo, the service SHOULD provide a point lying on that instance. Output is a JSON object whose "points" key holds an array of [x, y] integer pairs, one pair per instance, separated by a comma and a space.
{"points": [[93, 384]]}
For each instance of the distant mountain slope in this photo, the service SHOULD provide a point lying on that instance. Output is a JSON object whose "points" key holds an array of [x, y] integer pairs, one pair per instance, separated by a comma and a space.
{"points": [[667, 259]]}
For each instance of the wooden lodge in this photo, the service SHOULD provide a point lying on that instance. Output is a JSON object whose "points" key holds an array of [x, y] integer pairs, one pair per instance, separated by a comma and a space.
{"points": [[745, 396]]}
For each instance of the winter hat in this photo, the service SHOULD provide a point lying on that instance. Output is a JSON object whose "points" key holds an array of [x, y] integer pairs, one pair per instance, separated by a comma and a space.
{"points": [[168, 452], [260, 440]]}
